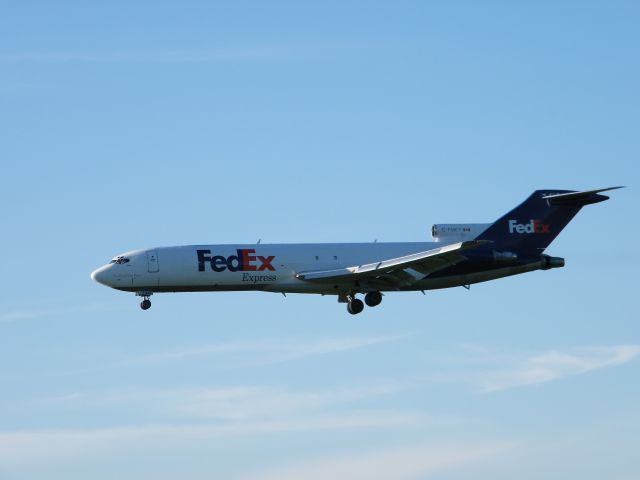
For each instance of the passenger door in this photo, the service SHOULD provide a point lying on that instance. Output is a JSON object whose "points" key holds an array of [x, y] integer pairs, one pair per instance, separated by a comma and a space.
{"points": [[152, 261]]}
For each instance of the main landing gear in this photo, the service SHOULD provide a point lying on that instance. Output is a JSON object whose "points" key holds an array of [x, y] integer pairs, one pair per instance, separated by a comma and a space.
{"points": [[355, 305], [146, 303], [373, 299]]}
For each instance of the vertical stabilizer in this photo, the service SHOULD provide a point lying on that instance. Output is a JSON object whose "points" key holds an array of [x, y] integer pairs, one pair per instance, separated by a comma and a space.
{"points": [[535, 223]]}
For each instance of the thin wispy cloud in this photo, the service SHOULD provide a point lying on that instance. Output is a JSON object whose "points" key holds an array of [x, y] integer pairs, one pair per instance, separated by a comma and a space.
{"points": [[17, 315], [29, 447], [412, 462], [554, 365], [238, 404], [264, 351], [175, 415], [225, 404]]}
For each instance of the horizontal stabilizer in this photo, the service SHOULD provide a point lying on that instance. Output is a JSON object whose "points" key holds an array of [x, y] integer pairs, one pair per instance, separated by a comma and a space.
{"points": [[578, 199]]}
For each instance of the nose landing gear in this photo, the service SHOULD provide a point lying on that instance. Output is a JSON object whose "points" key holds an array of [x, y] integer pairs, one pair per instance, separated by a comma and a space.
{"points": [[146, 303]]}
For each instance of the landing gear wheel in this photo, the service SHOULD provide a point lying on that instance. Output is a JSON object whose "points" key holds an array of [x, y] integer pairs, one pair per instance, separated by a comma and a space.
{"points": [[373, 298], [355, 306], [145, 304]]}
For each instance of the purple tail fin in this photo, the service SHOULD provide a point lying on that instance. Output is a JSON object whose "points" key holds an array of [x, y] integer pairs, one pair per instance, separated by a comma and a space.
{"points": [[535, 223]]}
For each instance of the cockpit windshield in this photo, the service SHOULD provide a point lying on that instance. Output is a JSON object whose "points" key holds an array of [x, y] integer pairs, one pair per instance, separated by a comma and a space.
{"points": [[120, 260]]}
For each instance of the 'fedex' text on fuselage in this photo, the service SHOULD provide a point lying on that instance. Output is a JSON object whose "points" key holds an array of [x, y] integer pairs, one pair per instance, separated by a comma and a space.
{"points": [[243, 261]]}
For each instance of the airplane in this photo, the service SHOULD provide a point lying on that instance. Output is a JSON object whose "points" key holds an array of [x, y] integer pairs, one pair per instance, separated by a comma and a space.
{"points": [[461, 255]]}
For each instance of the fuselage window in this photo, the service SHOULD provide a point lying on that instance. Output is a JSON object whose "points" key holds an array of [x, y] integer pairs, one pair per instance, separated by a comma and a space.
{"points": [[120, 260]]}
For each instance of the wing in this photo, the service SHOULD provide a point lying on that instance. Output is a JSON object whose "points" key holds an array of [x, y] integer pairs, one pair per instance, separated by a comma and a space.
{"points": [[396, 272]]}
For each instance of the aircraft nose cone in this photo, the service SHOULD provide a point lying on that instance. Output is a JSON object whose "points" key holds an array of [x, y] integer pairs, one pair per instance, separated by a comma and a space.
{"points": [[100, 275]]}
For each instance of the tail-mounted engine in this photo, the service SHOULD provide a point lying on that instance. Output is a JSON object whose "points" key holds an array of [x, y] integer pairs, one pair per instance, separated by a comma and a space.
{"points": [[547, 262], [505, 258]]}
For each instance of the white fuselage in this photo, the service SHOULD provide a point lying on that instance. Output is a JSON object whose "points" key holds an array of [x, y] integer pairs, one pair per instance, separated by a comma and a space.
{"points": [[241, 267], [272, 268]]}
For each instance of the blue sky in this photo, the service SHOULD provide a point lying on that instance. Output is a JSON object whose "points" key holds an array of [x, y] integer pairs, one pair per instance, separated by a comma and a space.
{"points": [[129, 125]]}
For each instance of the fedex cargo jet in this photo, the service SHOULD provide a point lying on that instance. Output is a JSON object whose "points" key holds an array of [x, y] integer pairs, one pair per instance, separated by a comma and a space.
{"points": [[460, 255]]}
